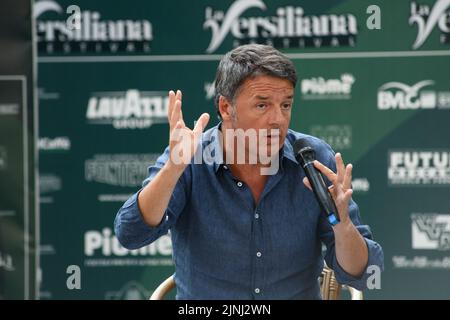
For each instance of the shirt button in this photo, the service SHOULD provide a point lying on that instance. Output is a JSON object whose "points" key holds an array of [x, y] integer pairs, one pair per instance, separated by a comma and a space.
{"points": [[257, 290], [239, 184], [256, 216], [258, 254]]}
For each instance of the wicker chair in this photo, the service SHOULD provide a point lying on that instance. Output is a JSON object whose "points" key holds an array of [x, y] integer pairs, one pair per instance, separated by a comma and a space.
{"points": [[163, 289], [329, 287]]}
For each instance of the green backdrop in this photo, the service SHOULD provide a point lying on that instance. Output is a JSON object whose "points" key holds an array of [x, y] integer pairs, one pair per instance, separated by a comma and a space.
{"points": [[379, 96], [19, 236]]}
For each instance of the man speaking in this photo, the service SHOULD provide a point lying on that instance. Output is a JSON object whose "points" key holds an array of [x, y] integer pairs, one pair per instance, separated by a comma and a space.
{"points": [[243, 219]]}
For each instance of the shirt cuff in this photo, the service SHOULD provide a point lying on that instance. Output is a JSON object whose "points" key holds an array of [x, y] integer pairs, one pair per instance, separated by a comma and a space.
{"points": [[375, 258], [131, 229]]}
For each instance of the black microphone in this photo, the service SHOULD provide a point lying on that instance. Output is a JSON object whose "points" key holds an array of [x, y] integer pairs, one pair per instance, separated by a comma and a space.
{"points": [[306, 155]]}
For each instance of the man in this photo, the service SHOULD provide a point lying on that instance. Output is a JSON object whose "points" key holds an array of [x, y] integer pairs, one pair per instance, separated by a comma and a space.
{"points": [[237, 232]]}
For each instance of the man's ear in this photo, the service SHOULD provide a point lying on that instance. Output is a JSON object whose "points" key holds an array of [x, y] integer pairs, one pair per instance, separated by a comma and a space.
{"points": [[225, 108]]}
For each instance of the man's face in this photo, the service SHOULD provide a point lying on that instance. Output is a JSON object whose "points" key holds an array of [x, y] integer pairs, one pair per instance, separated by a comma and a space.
{"points": [[264, 102]]}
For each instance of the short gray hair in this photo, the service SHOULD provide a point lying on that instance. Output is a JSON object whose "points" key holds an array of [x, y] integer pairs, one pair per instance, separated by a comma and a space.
{"points": [[248, 61]]}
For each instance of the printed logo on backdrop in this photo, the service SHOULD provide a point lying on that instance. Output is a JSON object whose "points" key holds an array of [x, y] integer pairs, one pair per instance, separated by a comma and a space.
{"points": [[319, 88], [102, 249], [398, 95], [123, 170], [3, 158], [56, 144], [210, 90], [431, 232], [96, 34], [46, 249], [131, 109], [43, 94], [427, 18], [419, 167], [130, 291], [6, 262], [360, 185], [119, 170], [339, 137], [48, 185], [282, 27], [9, 109]]}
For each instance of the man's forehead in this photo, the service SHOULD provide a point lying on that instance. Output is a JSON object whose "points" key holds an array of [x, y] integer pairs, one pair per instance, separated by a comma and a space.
{"points": [[266, 85]]}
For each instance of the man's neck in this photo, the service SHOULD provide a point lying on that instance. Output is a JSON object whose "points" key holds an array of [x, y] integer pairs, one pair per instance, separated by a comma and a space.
{"points": [[241, 170]]}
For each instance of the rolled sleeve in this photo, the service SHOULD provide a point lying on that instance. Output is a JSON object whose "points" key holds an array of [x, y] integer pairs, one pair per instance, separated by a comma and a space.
{"points": [[131, 229], [376, 258], [129, 225]]}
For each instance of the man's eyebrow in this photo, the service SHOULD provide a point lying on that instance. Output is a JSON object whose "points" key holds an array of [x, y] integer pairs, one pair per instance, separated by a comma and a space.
{"points": [[266, 98]]}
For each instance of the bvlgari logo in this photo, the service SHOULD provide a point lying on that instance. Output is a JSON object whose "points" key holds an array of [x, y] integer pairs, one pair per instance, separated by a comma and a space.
{"points": [[95, 35], [288, 28]]}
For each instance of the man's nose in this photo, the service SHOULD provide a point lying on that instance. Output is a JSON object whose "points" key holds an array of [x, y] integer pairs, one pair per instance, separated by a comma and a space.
{"points": [[276, 116]]}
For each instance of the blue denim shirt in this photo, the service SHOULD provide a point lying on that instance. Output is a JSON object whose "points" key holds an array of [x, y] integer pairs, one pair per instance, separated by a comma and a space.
{"points": [[227, 247]]}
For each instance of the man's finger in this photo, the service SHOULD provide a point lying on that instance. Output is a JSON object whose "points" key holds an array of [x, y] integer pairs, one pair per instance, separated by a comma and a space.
{"points": [[326, 171], [176, 132], [170, 102], [348, 195], [306, 183], [179, 95], [340, 168], [176, 111], [181, 118], [201, 124], [348, 177]]}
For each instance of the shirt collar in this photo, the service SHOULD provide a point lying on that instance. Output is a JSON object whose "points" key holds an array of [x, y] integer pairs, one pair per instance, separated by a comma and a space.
{"points": [[288, 151]]}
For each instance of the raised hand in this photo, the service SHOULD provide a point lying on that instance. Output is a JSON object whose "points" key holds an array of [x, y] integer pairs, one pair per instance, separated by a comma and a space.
{"points": [[341, 190], [183, 141]]}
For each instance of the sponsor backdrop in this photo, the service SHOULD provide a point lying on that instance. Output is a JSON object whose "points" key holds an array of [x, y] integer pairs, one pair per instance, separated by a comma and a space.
{"points": [[373, 82], [18, 201]]}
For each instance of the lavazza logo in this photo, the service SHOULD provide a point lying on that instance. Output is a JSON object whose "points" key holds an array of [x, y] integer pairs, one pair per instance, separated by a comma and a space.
{"points": [[131, 109], [397, 95], [287, 27], [123, 170], [426, 18], [417, 167], [94, 35], [102, 249], [319, 88]]}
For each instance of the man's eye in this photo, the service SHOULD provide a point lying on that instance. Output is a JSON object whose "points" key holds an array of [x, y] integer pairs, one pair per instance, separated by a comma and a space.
{"points": [[286, 106], [261, 106]]}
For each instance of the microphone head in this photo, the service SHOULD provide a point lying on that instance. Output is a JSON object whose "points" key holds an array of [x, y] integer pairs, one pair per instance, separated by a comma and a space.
{"points": [[303, 151]]}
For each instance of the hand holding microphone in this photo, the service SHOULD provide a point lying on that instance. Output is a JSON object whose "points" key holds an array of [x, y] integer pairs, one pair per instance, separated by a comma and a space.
{"points": [[334, 200]]}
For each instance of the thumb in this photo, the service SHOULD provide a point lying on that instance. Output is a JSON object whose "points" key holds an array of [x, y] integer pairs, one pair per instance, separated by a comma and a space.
{"points": [[306, 183]]}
